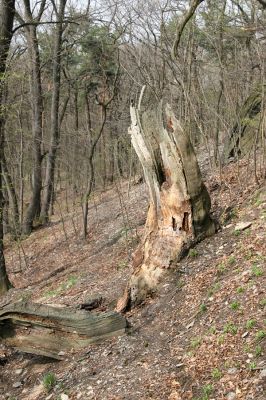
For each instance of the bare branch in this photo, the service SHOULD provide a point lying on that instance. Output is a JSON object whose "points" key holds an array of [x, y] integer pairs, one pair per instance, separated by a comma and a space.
{"points": [[181, 26], [243, 13], [41, 23], [41, 10], [55, 8]]}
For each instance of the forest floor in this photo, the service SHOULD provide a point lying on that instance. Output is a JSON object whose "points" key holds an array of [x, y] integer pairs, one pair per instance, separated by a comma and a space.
{"points": [[202, 336]]}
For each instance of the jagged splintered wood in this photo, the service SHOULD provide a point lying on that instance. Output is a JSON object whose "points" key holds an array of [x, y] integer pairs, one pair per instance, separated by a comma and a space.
{"points": [[179, 209], [50, 331]]}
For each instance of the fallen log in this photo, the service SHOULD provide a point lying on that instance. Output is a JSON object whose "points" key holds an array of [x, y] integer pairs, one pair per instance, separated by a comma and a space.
{"points": [[53, 331], [91, 303]]}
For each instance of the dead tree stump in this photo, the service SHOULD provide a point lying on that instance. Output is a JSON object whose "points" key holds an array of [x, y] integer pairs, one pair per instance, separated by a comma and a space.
{"points": [[179, 209]]}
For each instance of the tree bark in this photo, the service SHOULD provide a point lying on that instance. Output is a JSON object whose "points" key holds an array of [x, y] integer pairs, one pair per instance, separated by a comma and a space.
{"points": [[90, 178], [220, 53], [182, 24], [13, 200], [7, 11], [179, 209], [34, 208], [93, 143], [50, 168]]}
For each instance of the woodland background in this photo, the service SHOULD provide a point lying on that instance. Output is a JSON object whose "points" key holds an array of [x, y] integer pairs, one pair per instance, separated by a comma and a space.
{"points": [[71, 76], [73, 198]]}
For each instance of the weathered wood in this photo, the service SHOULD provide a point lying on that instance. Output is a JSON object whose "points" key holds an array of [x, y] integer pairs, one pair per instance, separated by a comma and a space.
{"points": [[91, 303], [46, 330], [179, 210]]}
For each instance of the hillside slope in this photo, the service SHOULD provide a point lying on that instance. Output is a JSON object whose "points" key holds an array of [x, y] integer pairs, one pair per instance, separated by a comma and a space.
{"points": [[202, 336]]}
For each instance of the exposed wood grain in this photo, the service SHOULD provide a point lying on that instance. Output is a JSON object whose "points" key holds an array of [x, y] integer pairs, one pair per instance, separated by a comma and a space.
{"points": [[179, 209], [46, 330]]}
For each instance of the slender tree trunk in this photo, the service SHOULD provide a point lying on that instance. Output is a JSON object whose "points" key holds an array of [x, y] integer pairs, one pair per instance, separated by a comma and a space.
{"points": [[63, 111], [109, 151], [76, 155], [13, 200], [7, 11], [182, 24], [90, 180], [220, 51], [21, 173], [88, 117], [50, 168], [76, 109], [179, 210], [34, 208]]}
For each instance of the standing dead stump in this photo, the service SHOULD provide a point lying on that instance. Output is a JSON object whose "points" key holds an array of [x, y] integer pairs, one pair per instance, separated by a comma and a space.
{"points": [[179, 209]]}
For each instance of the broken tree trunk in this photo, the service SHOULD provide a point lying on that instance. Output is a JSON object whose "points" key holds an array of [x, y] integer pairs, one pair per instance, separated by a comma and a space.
{"points": [[179, 209], [50, 331], [243, 134]]}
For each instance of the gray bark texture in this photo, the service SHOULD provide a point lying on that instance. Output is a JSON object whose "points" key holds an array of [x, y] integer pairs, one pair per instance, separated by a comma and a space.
{"points": [[51, 160], [182, 24], [14, 223], [34, 208], [7, 11]]}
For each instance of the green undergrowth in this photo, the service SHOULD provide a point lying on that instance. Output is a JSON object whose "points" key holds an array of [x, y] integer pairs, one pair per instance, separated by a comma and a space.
{"points": [[63, 287]]}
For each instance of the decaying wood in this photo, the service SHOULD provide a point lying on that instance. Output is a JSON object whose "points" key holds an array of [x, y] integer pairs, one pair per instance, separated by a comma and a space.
{"points": [[51, 331], [91, 303], [179, 209]]}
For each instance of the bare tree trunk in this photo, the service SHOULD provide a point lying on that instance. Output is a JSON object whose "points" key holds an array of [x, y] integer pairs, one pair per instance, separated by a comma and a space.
{"points": [[109, 151], [50, 168], [7, 11], [13, 200], [182, 24], [34, 208], [179, 210], [93, 144], [21, 174], [220, 52], [90, 179]]}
